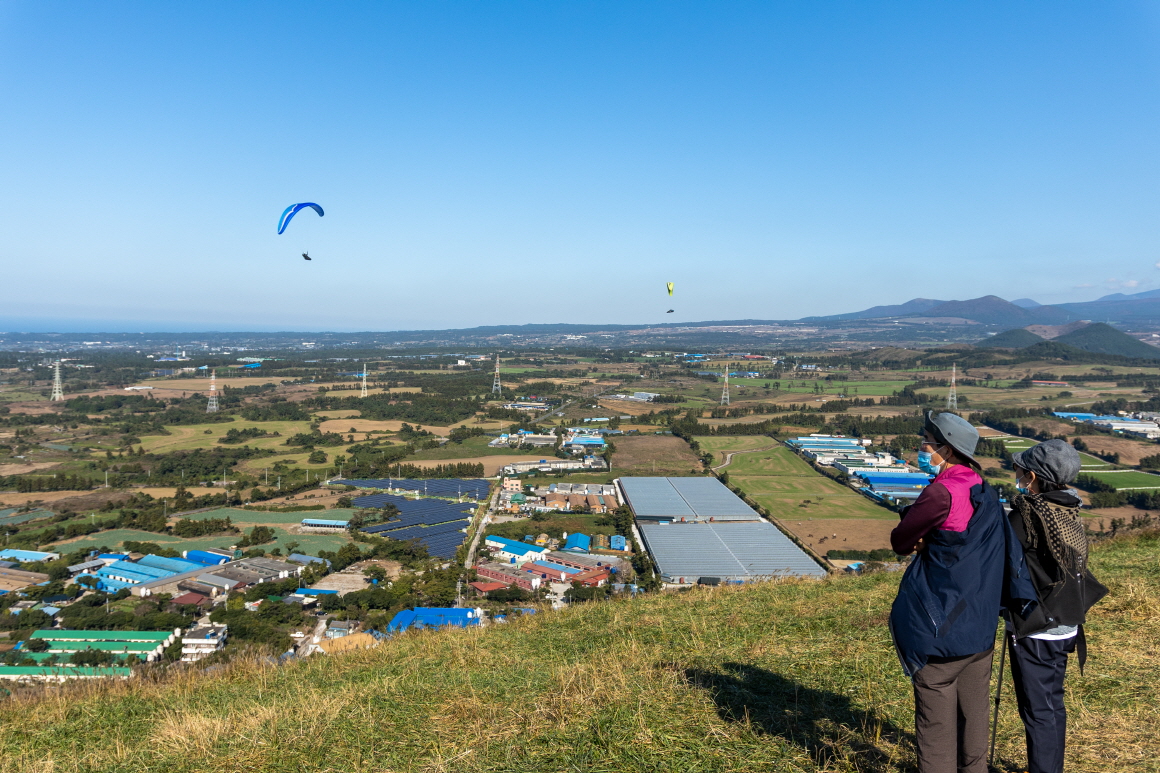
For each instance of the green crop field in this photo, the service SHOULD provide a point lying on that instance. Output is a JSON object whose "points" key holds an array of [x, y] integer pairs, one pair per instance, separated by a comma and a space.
{"points": [[113, 538], [781, 481], [260, 516], [1127, 479]]}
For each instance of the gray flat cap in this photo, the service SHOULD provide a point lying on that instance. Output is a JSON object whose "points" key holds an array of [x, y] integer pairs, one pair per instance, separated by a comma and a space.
{"points": [[1053, 461], [954, 431]]}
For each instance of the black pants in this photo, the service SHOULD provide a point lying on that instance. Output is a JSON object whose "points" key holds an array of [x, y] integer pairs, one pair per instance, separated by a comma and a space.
{"points": [[950, 714], [1038, 667]]}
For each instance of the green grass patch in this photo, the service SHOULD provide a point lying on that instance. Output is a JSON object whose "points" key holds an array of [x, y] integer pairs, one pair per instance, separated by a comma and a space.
{"points": [[1126, 479], [240, 517]]}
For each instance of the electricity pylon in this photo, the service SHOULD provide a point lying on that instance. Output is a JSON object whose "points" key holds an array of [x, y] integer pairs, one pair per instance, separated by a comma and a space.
{"points": [[953, 395], [725, 391], [496, 389], [364, 381], [212, 406], [57, 386]]}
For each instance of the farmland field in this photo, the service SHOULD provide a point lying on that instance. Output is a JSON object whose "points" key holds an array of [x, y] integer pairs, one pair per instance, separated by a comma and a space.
{"points": [[189, 437], [653, 455], [247, 517], [803, 500], [1126, 479], [308, 543]]}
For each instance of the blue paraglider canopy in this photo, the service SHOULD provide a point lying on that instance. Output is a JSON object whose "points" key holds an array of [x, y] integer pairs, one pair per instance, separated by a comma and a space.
{"points": [[292, 210]]}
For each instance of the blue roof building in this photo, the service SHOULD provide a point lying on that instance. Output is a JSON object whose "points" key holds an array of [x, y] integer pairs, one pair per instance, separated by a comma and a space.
{"points": [[204, 558], [433, 617], [28, 555], [578, 543], [323, 523]]}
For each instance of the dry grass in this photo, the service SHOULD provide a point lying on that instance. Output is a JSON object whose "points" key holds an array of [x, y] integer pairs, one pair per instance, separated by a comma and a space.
{"points": [[793, 676]]}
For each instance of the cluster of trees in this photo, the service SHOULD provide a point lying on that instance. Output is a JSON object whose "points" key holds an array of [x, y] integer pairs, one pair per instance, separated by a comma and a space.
{"points": [[277, 409], [259, 535], [459, 434], [316, 438], [190, 527], [880, 554], [32, 483], [457, 470], [236, 436]]}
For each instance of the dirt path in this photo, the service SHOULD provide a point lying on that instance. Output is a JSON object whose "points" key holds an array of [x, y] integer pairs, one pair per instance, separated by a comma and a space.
{"points": [[730, 454]]}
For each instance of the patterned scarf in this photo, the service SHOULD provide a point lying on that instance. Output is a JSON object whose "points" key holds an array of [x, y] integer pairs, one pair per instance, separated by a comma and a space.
{"points": [[1061, 526]]}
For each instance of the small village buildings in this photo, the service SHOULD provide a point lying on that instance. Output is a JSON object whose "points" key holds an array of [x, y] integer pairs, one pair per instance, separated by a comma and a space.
{"points": [[507, 574], [201, 641], [511, 551]]}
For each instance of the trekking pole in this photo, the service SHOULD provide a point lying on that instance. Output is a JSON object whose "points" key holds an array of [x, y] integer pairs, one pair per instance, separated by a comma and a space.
{"points": [[998, 694]]}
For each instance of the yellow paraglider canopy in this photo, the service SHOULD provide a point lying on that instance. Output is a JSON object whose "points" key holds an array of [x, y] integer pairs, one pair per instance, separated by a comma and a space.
{"points": [[670, 286]]}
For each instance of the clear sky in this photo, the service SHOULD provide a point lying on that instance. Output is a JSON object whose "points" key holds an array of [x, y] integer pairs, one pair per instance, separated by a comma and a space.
{"points": [[494, 163]]}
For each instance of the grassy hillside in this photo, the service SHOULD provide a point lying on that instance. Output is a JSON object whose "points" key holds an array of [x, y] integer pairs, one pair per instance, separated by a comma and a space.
{"points": [[1011, 339], [797, 676], [1105, 339]]}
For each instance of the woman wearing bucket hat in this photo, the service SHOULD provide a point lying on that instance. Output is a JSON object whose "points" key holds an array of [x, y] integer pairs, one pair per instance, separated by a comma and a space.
{"points": [[1045, 518], [944, 618]]}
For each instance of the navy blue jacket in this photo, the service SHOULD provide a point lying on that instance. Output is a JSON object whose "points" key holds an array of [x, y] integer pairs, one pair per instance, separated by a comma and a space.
{"points": [[951, 595]]}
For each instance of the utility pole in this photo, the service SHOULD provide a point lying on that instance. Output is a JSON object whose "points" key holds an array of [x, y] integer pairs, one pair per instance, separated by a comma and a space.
{"points": [[496, 389], [725, 391], [364, 381], [57, 386], [953, 396], [212, 406]]}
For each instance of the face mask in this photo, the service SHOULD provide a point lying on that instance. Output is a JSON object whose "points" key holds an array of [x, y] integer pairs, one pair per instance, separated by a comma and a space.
{"points": [[1022, 489], [925, 464]]}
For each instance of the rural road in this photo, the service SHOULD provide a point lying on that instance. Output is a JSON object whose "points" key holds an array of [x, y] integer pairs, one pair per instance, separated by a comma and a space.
{"points": [[470, 560]]}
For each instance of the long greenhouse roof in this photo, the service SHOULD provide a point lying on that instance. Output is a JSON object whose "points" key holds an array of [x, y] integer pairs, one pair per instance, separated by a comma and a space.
{"points": [[684, 498], [725, 550], [102, 635]]}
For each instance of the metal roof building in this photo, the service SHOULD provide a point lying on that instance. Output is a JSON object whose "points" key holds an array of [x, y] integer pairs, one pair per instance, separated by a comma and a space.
{"points": [[696, 527], [684, 500], [736, 552]]}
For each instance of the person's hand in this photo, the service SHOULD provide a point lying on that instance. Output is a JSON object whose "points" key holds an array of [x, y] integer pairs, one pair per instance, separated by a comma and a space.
{"points": [[920, 545]]}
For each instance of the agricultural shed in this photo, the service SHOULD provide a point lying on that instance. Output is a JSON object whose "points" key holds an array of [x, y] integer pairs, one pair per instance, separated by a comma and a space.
{"points": [[733, 552]]}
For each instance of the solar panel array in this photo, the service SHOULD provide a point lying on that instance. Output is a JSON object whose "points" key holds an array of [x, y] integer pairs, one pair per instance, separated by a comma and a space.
{"points": [[414, 512], [476, 488], [436, 523]]}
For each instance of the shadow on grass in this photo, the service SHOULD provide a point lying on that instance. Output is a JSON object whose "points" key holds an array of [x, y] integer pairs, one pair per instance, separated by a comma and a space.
{"points": [[828, 725]]}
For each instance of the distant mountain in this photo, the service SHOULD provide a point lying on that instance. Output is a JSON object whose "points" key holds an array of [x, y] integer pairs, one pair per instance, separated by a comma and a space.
{"points": [[915, 306], [1010, 339], [1133, 297], [1105, 339], [993, 310], [1026, 303]]}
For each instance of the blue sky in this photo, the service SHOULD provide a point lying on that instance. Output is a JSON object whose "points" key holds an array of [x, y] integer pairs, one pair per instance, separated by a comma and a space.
{"points": [[495, 163]]}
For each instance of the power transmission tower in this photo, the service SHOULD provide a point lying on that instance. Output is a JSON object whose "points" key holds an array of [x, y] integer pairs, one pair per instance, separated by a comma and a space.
{"points": [[57, 387], [364, 381], [725, 391], [496, 389], [212, 406], [953, 395]]}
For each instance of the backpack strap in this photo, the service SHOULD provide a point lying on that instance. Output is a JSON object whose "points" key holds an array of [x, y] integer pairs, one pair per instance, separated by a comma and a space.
{"points": [[1081, 647]]}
